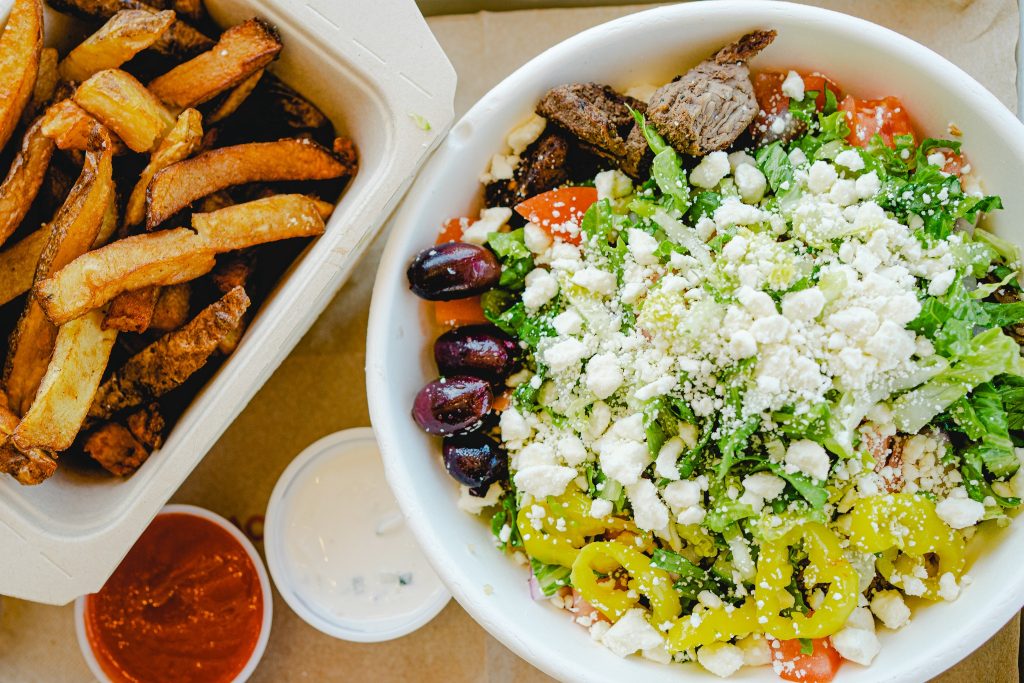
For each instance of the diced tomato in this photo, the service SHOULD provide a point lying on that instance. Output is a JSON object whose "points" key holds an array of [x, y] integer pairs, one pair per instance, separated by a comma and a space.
{"points": [[793, 665], [768, 92], [458, 312], [452, 230], [581, 608], [501, 402], [552, 210], [955, 163], [818, 83], [773, 103], [886, 117]]}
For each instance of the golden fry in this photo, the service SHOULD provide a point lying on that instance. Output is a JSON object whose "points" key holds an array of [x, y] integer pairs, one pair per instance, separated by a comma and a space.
{"points": [[70, 127], [20, 46], [241, 51], [169, 257], [133, 311], [126, 34], [180, 184], [46, 84], [124, 105], [172, 359], [180, 143], [29, 468], [67, 389], [172, 307], [114, 447], [18, 264], [20, 187], [234, 99]]}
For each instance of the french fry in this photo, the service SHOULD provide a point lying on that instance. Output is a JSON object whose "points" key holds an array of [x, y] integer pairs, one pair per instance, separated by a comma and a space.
{"points": [[173, 256], [114, 447], [18, 264], [180, 184], [172, 359], [72, 233], [124, 105], [46, 84], [180, 143], [172, 307], [124, 35], [19, 188], [132, 311], [68, 387], [20, 46], [31, 467], [234, 98], [70, 127], [181, 40], [241, 51], [274, 111]]}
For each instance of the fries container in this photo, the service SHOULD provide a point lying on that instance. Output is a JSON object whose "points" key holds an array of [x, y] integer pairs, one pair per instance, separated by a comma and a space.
{"points": [[376, 70]]}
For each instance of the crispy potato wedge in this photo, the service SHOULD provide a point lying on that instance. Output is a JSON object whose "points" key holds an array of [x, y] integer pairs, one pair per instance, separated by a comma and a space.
{"points": [[46, 84], [172, 307], [133, 311], [234, 270], [241, 51], [180, 143], [274, 111], [73, 232], [173, 256], [172, 359], [180, 184], [67, 390], [20, 46], [31, 467], [124, 35], [124, 105], [234, 98], [70, 127], [117, 451], [181, 40], [18, 264], [20, 187], [147, 425]]}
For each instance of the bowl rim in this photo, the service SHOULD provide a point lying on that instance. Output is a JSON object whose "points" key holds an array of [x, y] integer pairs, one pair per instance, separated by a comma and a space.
{"points": [[387, 286], [336, 444], [261, 571]]}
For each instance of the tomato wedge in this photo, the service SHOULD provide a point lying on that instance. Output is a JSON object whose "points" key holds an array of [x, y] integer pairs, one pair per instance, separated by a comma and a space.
{"points": [[773, 103], [793, 665], [457, 312], [886, 117], [554, 209]]}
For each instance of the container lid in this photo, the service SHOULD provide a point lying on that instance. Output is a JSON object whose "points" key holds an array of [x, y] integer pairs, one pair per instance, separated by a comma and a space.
{"points": [[338, 548]]}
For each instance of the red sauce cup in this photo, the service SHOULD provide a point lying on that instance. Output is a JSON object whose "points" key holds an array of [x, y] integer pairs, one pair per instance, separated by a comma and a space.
{"points": [[102, 660]]}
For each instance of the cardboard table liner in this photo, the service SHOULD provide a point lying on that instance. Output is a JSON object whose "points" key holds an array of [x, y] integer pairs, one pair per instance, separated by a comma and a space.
{"points": [[320, 388]]}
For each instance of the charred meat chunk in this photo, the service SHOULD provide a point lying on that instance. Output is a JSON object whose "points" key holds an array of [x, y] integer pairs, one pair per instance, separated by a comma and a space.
{"points": [[544, 166], [600, 119], [713, 103]]}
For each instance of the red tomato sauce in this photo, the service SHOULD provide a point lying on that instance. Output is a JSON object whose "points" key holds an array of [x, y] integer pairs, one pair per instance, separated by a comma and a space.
{"points": [[185, 605]]}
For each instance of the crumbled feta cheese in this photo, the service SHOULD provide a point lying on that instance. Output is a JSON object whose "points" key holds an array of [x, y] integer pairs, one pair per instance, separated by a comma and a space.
{"points": [[756, 651], [541, 287], [797, 157], [721, 659], [683, 494], [960, 513], [668, 457], [541, 481], [600, 508], [857, 645], [567, 322], [750, 182], [805, 304], [941, 282], [868, 185], [630, 633], [491, 220], [513, 426], [843, 192], [742, 345], [734, 212], [536, 238], [604, 374], [808, 457], [764, 485], [474, 505], [596, 280], [821, 176], [710, 171], [740, 158], [948, 587], [649, 513], [526, 133], [793, 86], [571, 450], [851, 159], [758, 303], [612, 185], [889, 607], [642, 246], [937, 159]]}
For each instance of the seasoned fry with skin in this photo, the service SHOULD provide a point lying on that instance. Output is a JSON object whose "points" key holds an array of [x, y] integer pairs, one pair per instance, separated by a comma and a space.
{"points": [[66, 391], [19, 188], [20, 46], [234, 99], [172, 307], [126, 34], [133, 311], [18, 264], [181, 40], [180, 184], [46, 84], [70, 126], [169, 257], [115, 449], [241, 51], [180, 143], [147, 426], [172, 359], [29, 468], [72, 233], [124, 105]]}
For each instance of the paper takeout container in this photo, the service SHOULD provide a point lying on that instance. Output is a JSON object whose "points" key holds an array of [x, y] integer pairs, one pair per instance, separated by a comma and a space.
{"points": [[376, 70]]}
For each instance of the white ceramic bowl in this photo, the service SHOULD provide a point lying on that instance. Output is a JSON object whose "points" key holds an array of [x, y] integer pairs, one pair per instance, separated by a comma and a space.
{"points": [[652, 47], [261, 571]]}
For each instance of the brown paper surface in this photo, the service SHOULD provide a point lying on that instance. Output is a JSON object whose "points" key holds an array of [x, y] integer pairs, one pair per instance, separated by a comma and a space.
{"points": [[320, 389]]}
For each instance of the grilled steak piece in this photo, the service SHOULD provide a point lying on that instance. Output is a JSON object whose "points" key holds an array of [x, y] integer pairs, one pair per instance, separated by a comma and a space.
{"points": [[713, 103], [600, 119]]}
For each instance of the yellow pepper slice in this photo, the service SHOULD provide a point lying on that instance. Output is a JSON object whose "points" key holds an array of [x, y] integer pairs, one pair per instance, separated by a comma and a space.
{"points": [[826, 565], [905, 528], [565, 523], [713, 625], [654, 583]]}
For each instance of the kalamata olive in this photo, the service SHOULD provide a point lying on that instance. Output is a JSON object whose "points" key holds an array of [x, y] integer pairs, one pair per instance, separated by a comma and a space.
{"points": [[478, 350], [452, 405], [453, 270], [475, 460]]}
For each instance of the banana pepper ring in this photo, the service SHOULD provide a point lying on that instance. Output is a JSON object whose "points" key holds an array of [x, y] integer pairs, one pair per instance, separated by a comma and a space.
{"points": [[826, 565], [564, 527], [644, 579], [905, 528], [713, 626]]}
